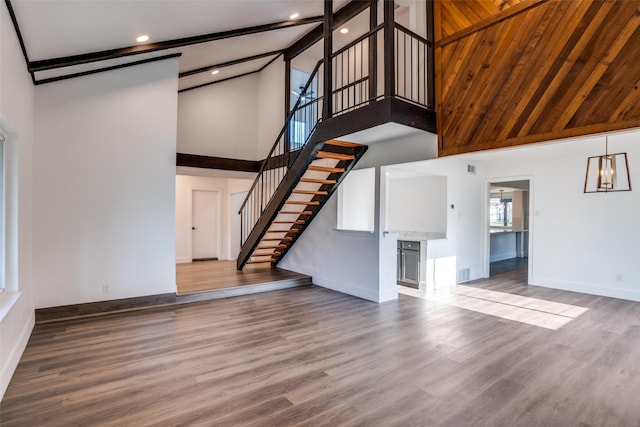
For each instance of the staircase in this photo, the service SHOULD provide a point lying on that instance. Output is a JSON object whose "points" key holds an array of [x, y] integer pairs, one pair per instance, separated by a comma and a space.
{"points": [[329, 163]]}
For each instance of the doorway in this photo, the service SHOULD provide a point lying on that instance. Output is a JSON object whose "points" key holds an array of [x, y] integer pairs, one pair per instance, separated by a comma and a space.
{"points": [[508, 226], [205, 225]]}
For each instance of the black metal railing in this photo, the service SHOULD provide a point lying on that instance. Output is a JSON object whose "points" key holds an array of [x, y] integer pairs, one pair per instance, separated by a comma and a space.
{"points": [[354, 84], [352, 72], [412, 53], [298, 127]]}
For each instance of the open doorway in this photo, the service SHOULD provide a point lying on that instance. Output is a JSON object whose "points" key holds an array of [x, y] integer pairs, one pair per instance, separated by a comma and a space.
{"points": [[508, 227]]}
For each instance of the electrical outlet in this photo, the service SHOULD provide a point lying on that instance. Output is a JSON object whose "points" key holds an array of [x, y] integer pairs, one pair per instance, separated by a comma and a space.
{"points": [[105, 289], [619, 277]]}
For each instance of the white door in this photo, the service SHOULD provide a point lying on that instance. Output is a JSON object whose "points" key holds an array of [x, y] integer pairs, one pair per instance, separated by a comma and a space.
{"points": [[205, 224], [236, 201]]}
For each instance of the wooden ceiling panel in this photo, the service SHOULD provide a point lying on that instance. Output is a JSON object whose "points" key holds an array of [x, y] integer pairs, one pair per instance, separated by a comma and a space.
{"points": [[459, 15], [551, 70]]}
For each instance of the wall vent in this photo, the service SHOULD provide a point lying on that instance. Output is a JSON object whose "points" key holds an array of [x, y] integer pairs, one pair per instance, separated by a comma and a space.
{"points": [[471, 169], [463, 275]]}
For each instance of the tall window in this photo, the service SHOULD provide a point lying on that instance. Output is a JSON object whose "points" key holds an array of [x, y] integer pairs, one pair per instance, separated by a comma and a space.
{"points": [[2, 221]]}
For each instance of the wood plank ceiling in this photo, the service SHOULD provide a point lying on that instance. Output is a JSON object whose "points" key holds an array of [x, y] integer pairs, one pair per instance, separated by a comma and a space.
{"points": [[516, 72]]}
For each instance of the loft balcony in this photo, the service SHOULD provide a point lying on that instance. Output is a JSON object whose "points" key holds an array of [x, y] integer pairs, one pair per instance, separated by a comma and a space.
{"points": [[381, 79]]}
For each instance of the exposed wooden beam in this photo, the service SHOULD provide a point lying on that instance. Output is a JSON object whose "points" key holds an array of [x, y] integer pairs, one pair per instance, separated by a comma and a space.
{"points": [[342, 16], [207, 162], [16, 27], [229, 63], [102, 70], [104, 55], [219, 81]]}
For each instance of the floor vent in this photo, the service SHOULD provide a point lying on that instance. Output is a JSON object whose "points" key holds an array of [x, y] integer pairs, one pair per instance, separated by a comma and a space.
{"points": [[463, 275]]}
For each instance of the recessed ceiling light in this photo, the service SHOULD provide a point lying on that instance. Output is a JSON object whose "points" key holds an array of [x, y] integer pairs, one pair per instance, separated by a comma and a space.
{"points": [[294, 16], [214, 72], [344, 30], [143, 38]]}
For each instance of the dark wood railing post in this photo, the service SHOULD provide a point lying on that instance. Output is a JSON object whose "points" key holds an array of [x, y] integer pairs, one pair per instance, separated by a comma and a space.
{"points": [[373, 50], [389, 49], [328, 63]]}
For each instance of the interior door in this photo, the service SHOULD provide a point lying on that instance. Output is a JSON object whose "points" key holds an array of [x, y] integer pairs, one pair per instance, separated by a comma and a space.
{"points": [[205, 224], [236, 202]]}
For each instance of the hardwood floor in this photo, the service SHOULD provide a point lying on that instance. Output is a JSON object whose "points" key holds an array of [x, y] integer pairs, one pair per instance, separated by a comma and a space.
{"points": [[310, 356], [205, 276]]}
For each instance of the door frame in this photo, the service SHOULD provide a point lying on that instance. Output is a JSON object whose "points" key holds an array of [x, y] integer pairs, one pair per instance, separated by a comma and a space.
{"points": [[218, 191], [486, 236]]}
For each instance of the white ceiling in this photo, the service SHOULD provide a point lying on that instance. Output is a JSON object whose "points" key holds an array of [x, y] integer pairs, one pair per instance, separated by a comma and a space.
{"points": [[58, 28]]}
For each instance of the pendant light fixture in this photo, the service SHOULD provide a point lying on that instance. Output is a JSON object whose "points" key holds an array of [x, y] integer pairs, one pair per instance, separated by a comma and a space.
{"points": [[607, 173]]}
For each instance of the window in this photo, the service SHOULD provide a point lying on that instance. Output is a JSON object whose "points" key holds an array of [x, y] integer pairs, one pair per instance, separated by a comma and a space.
{"points": [[501, 212], [2, 222]]}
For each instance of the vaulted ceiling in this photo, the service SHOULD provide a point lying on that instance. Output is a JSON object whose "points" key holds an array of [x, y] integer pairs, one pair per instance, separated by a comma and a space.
{"points": [[66, 37], [535, 71]]}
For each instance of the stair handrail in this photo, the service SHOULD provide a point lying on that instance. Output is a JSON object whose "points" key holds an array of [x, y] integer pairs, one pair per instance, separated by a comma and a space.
{"points": [[291, 114]]}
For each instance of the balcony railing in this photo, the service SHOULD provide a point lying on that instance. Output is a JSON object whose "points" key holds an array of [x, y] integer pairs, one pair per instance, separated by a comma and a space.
{"points": [[354, 84], [293, 136]]}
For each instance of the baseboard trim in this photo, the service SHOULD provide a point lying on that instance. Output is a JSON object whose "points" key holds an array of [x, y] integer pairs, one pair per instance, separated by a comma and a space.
{"points": [[102, 308], [584, 288], [13, 358]]}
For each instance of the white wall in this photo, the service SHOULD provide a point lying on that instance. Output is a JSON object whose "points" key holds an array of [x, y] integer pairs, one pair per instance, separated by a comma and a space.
{"points": [[417, 204], [581, 242], [221, 120], [184, 186], [104, 185], [270, 104], [16, 117], [357, 201], [358, 263], [441, 259]]}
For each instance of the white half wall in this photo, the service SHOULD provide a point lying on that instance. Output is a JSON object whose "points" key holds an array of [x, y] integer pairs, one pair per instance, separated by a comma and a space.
{"points": [[221, 120], [184, 186], [104, 185], [16, 119]]}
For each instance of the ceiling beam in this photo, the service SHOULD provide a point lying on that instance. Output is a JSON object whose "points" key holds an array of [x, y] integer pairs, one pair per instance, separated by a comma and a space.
{"points": [[67, 61], [229, 63], [103, 69], [341, 17], [16, 27], [271, 61]]}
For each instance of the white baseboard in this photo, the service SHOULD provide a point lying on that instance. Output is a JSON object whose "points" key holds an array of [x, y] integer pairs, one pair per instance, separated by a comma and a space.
{"points": [[183, 260], [14, 354], [502, 256], [584, 288], [329, 283]]}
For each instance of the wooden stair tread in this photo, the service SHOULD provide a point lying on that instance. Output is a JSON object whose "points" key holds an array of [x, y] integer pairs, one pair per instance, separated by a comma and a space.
{"points": [[299, 221], [299, 202], [334, 156], [318, 181], [276, 253], [296, 213], [261, 261], [343, 143], [277, 239], [318, 193], [271, 247], [326, 169]]}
